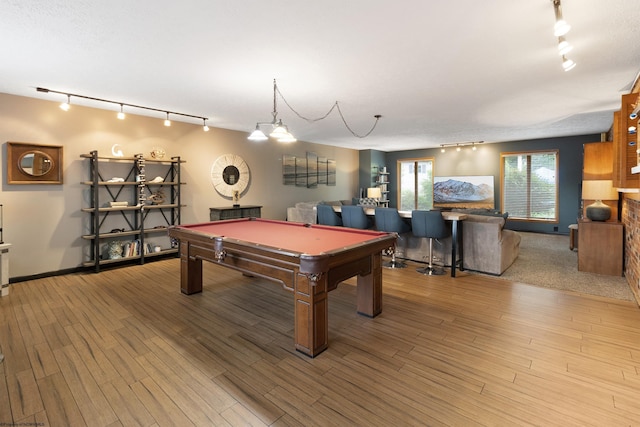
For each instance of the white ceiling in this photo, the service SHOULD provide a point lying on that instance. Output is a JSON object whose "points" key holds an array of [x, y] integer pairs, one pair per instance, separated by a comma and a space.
{"points": [[437, 71]]}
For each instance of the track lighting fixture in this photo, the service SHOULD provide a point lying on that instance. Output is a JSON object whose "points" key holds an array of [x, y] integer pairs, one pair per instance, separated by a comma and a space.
{"points": [[204, 125], [66, 105], [280, 132], [560, 29], [460, 145], [121, 115]]}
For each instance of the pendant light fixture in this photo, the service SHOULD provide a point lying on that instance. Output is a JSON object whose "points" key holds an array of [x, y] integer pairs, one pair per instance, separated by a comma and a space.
{"points": [[279, 131]]}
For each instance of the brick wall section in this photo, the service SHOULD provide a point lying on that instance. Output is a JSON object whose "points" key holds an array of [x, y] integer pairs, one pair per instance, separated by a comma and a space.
{"points": [[630, 217]]}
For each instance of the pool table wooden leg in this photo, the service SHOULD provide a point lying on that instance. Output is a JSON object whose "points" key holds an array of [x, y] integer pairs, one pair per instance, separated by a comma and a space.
{"points": [[369, 291], [190, 272], [311, 315]]}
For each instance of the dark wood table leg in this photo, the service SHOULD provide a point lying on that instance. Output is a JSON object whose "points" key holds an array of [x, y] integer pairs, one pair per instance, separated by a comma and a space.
{"points": [[311, 314], [190, 272], [369, 290]]}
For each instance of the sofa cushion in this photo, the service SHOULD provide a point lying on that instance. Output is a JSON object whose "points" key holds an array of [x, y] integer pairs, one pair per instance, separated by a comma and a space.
{"points": [[332, 203], [306, 205], [484, 212]]}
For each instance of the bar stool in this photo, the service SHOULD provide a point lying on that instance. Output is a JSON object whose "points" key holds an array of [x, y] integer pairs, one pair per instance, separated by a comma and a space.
{"points": [[354, 217], [389, 220], [431, 225], [327, 216]]}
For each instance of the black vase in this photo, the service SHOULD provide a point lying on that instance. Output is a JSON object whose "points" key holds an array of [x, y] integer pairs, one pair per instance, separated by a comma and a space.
{"points": [[598, 211]]}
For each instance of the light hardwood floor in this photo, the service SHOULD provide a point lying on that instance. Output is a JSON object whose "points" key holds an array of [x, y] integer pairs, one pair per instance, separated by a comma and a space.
{"points": [[124, 347]]}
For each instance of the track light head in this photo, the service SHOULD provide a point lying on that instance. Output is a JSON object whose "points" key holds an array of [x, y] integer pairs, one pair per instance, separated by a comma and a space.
{"points": [[567, 64], [66, 105]]}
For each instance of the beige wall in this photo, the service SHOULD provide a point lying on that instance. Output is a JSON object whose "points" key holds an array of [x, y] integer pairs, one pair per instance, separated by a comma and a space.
{"points": [[44, 222]]}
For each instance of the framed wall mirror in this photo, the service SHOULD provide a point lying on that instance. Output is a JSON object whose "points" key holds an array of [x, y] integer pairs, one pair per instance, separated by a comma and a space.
{"points": [[33, 163]]}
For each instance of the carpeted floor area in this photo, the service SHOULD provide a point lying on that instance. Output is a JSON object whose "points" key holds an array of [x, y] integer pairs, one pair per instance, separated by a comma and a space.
{"points": [[545, 260]]}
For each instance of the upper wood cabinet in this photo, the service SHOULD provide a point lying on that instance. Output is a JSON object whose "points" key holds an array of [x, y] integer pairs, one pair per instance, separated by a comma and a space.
{"points": [[598, 161], [625, 144]]}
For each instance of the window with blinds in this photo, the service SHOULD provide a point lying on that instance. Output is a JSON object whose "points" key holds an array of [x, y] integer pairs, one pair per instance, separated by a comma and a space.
{"points": [[530, 185], [416, 184]]}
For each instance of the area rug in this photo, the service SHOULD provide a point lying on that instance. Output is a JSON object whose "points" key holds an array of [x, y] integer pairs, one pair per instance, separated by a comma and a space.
{"points": [[546, 260]]}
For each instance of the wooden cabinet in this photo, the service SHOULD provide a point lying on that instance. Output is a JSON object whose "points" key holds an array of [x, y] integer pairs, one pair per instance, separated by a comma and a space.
{"points": [[130, 204], [625, 139], [600, 247], [234, 212]]}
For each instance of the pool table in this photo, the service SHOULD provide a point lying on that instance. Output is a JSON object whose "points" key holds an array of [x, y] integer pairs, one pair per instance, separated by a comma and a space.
{"points": [[309, 260]]}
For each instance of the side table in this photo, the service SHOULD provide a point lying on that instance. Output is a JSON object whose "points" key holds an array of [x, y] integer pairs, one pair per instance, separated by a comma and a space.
{"points": [[600, 247], [234, 212]]}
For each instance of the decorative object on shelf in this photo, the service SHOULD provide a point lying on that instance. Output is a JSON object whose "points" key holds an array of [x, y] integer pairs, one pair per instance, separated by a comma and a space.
{"points": [[121, 115], [156, 180], [116, 151], [116, 179], [113, 250], [280, 132], [230, 173], [33, 163], [598, 190], [157, 197], [158, 153], [236, 198], [117, 204]]}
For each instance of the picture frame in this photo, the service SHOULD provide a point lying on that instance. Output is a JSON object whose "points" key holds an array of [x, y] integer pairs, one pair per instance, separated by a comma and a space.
{"points": [[322, 170], [464, 192], [288, 170], [301, 171], [331, 172], [29, 163], [312, 170]]}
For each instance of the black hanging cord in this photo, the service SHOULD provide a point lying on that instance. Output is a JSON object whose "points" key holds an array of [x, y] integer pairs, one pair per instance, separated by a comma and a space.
{"points": [[334, 106]]}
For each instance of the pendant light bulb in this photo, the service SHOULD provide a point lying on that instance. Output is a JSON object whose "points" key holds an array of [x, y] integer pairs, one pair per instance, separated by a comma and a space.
{"points": [[121, 114], [257, 135], [204, 125], [167, 122]]}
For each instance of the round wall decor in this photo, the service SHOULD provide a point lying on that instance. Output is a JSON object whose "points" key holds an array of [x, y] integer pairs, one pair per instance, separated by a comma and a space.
{"points": [[229, 174]]}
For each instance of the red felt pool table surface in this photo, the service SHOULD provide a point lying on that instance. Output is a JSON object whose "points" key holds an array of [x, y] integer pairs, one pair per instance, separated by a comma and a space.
{"points": [[290, 236]]}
